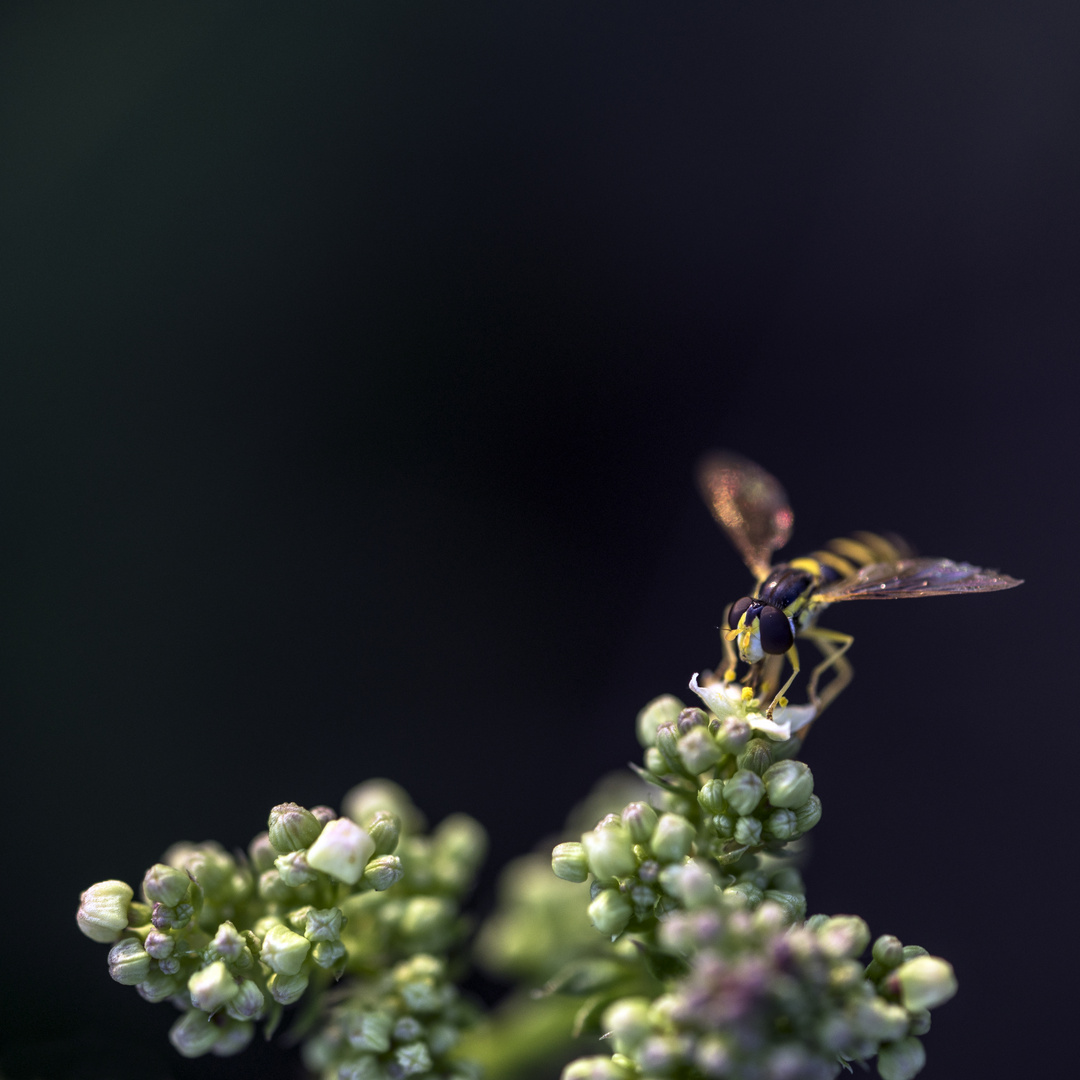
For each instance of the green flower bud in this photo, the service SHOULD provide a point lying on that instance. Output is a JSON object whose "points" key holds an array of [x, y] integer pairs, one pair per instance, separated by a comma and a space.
{"points": [[655, 763], [158, 944], [341, 851], [208, 863], [323, 924], [881, 1021], [385, 829], [747, 891], [640, 820], [660, 710], [924, 982], [690, 883], [129, 962], [212, 987], [287, 989], [732, 733], [783, 824], [233, 1036], [672, 838], [744, 791], [460, 838], [103, 910], [843, 936], [193, 1034], [596, 1068], [667, 742], [283, 951], [370, 1031], [610, 852], [698, 750], [901, 1060], [888, 951], [793, 904], [628, 1022], [912, 951], [412, 1059], [323, 814], [756, 756], [691, 717], [262, 853], [172, 918], [294, 869], [748, 831], [809, 814], [157, 986], [569, 862], [327, 953], [724, 824], [610, 911], [292, 828], [367, 799], [407, 1029], [789, 784], [248, 1002], [165, 885], [381, 873], [919, 1023], [711, 796]]}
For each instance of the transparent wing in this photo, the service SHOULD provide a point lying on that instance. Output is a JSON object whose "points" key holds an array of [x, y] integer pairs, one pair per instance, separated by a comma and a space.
{"points": [[914, 577], [749, 505]]}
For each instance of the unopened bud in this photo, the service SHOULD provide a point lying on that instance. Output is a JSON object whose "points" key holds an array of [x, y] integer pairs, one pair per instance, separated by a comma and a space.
{"points": [[672, 838], [809, 814], [103, 910], [925, 982], [129, 963], [789, 784], [342, 851], [744, 791], [385, 829], [610, 852], [640, 820], [248, 1002], [748, 831], [193, 1034], [756, 756], [610, 911], [212, 987], [888, 951], [698, 750], [732, 733], [569, 862], [292, 828], [165, 885], [901, 1060], [283, 951], [287, 989], [660, 710]]}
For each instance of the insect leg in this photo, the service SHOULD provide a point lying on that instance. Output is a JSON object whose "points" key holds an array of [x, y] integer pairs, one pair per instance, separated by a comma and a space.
{"points": [[833, 644], [793, 656]]}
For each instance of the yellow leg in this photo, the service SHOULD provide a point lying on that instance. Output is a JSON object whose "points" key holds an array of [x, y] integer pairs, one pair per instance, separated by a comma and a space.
{"points": [[832, 645], [793, 656]]}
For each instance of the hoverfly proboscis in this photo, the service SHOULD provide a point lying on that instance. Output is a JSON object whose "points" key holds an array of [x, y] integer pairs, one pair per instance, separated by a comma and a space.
{"points": [[752, 508]]}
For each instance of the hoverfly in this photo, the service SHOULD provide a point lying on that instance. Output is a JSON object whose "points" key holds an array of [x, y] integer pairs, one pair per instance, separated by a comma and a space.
{"points": [[752, 508]]}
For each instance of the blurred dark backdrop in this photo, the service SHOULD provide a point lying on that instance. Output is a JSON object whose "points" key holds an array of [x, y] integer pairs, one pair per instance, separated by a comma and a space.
{"points": [[356, 361]]}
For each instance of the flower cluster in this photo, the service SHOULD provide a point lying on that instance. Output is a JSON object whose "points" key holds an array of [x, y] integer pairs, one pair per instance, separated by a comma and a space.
{"points": [[232, 940], [760, 997], [402, 1024]]}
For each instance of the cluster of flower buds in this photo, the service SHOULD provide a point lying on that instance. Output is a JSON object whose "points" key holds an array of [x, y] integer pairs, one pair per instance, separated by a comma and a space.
{"points": [[762, 997], [405, 1023], [230, 941]]}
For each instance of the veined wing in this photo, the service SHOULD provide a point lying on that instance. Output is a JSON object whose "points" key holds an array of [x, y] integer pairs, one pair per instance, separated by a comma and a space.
{"points": [[749, 504], [914, 577]]}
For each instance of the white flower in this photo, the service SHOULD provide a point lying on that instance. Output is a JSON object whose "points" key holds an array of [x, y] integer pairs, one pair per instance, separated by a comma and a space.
{"points": [[725, 699]]}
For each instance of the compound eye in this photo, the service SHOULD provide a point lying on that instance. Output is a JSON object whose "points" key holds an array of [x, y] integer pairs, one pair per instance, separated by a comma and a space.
{"points": [[738, 609], [775, 631]]}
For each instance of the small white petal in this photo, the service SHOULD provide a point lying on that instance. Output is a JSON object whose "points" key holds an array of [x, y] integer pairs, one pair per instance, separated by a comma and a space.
{"points": [[725, 699]]}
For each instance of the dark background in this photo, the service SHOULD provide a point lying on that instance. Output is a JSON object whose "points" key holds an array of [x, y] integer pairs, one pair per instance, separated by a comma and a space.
{"points": [[356, 361]]}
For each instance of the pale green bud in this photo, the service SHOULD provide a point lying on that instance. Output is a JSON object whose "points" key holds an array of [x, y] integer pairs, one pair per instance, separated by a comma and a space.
{"points": [[610, 911], [756, 756], [407, 1029], [783, 824], [881, 1021], [233, 1036], [660, 710], [294, 869], [901, 1060], [172, 918], [747, 890], [569, 862], [228, 943], [793, 904], [888, 951], [733, 733], [103, 910], [672, 838], [427, 919], [711, 796], [129, 963], [610, 852], [383, 872], [341, 851], [370, 1031], [412, 1059], [262, 853], [640, 820], [323, 924], [158, 944], [323, 814], [283, 951], [789, 784], [724, 824], [287, 989], [667, 742], [911, 951], [743, 791], [212, 987], [292, 828], [248, 1003], [691, 883], [165, 885], [385, 829], [919, 1022], [655, 763], [327, 953], [158, 986], [843, 935], [596, 1068], [193, 1034], [698, 750], [809, 814], [925, 982], [461, 839], [748, 831], [628, 1022]]}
